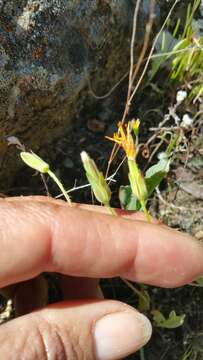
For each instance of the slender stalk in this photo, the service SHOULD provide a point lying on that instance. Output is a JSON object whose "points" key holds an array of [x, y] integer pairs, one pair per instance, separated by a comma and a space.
{"points": [[134, 69], [133, 72], [132, 44], [146, 213], [142, 355], [111, 210], [133, 288], [57, 181], [151, 51]]}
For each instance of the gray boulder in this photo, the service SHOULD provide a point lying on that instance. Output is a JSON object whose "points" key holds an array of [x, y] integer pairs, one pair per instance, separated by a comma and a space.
{"points": [[48, 51]]}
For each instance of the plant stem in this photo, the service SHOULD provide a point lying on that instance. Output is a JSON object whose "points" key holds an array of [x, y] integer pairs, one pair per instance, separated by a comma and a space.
{"points": [[146, 213], [136, 291], [142, 356], [59, 184], [111, 210]]}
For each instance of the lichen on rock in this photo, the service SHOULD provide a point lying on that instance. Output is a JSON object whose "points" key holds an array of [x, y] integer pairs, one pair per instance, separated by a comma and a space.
{"points": [[48, 51]]}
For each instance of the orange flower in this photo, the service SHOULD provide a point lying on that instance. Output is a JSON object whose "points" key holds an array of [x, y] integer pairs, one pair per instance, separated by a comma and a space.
{"points": [[124, 138]]}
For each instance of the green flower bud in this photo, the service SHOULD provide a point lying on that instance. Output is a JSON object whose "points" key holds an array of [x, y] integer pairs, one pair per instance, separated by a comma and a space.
{"points": [[96, 179], [135, 126], [137, 182], [34, 161]]}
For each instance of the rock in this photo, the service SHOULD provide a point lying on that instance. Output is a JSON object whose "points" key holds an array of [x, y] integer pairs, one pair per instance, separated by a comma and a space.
{"points": [[95, 125], [48, 51]]}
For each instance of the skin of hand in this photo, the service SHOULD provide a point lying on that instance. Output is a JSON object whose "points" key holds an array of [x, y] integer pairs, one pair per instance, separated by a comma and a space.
{"points": [[83, 243]]}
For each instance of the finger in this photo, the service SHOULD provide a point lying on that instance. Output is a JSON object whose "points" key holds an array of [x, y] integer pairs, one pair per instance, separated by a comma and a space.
{"points": [[77, 242], [133, 215], [105, 330]]}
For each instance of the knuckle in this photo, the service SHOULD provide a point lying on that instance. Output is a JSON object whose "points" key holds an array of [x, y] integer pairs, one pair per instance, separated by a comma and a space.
{"points": [[57, 342]]}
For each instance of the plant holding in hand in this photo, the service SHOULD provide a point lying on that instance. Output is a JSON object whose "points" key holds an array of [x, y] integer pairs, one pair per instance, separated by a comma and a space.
{"points": [[136, 195], [140, 188], [132, 197]]}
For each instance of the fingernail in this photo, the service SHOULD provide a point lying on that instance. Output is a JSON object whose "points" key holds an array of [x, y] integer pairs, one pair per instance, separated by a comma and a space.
{"points": [[121, 334]]}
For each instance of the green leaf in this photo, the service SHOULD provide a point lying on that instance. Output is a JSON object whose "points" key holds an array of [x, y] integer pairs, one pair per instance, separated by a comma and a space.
{"points": [[154, 175], [182, 44], [172, 322], [199, 281], [156, 65], [124, 195], [127, 199], [165, 51], [161, 166], [175, 31], [154, 181]]}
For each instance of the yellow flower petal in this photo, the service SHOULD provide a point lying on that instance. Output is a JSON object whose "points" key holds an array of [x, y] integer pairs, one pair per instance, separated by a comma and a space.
{"points": [[124, 138]]}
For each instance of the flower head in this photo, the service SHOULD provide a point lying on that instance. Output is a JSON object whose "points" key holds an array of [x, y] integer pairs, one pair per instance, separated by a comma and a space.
{"points": [[186, 121], [124, 138], [181, 96], [96, 179], [34, 161]]}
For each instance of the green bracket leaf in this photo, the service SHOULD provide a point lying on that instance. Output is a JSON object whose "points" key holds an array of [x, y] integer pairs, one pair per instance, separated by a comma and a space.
{"points": [[172, 322], [154, 181], [153, 177], [199, 281], [162, 166], [127, 199]]}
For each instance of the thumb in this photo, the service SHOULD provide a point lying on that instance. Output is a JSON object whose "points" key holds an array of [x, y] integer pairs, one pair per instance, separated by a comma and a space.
{"points": [[103, 330]]}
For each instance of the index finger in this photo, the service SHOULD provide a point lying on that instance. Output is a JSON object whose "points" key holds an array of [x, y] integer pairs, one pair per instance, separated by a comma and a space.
{"points": [[38, 236]]}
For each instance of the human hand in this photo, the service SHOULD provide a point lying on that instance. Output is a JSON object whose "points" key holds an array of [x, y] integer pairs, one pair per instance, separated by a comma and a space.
{"points": [[39, 234]]}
